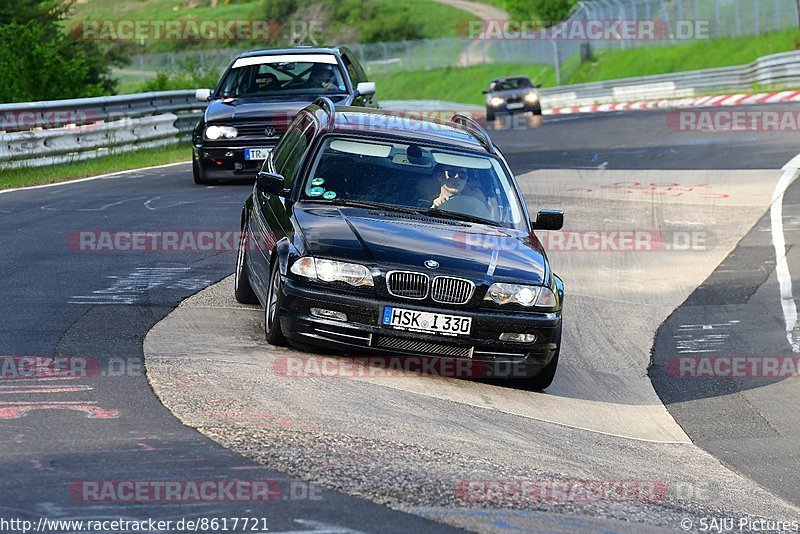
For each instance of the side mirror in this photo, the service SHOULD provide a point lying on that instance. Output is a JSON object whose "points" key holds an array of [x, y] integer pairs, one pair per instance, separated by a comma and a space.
{"points": [[485, 92], [548, 220], [537, 85], [270, 183], [366, 88], [203, 95]]}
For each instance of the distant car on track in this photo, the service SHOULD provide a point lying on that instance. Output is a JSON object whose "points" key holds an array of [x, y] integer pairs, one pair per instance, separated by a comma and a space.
{"points": [[372, 232], [512, 94], [257, 97]]}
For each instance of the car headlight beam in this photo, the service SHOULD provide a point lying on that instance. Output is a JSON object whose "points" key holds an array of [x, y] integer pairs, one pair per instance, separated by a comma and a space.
{"points": [[527, 296], [497, 101], [532, 98], [215, 132], [353, 274]]}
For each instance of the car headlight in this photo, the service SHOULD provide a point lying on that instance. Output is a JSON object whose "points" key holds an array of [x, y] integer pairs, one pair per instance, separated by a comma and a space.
{"points": [[332, 271], [497, 101], [527, 296], [532, 98], [218, 132]]}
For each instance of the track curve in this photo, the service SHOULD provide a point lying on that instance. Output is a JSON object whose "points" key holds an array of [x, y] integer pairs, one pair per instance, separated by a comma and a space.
{"points": [[702, 188], [405, 443]]}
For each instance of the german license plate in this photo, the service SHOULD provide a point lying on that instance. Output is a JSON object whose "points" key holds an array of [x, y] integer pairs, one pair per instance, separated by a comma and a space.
{"points": [[439, 323], [256, 153], [517, 105]]}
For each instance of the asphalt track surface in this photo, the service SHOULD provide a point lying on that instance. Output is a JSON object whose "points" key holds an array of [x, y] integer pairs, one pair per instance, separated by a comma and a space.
{"points": [[110, 425]]}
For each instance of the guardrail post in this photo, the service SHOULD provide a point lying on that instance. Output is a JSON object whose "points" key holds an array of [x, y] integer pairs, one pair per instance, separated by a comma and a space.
{"points": [[756, 21], [796, 7], [556, 61], [776, 16], [430, 53]]}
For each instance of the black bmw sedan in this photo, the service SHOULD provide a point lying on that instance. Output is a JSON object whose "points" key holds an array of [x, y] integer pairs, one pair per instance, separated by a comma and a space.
{"points": [[512, 94], [372, 232], [257, 97]]}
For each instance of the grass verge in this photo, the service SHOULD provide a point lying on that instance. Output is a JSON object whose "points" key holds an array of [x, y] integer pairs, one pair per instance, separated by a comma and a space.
{"points": [[10, 178], [455, 84], [464, 84], [697, 55]]}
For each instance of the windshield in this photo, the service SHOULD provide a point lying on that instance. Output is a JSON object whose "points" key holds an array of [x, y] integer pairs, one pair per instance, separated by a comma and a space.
{"points": [[413, 177], [283, 75], [515, 83]]}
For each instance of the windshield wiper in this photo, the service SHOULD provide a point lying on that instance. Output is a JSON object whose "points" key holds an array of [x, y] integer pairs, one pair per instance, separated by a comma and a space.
{"points": [[458, 216], [431, 212], [363, 204]]}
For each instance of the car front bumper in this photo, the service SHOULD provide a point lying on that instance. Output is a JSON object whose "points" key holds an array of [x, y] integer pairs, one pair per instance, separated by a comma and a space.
{"points": [[219, 163], [362, 333], [526, 108]]}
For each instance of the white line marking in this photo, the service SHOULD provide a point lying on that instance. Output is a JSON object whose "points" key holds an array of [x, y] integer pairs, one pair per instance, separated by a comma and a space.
{"points": [[109, 175], [147, 204], [789, 306]]}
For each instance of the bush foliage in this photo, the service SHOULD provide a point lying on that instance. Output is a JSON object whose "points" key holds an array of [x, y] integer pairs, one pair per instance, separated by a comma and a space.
{"points": [[40, 61]]}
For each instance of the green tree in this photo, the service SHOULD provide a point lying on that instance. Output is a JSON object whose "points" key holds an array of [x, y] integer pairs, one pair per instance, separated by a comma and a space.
{"points": [[40, 61], [544, 10]]}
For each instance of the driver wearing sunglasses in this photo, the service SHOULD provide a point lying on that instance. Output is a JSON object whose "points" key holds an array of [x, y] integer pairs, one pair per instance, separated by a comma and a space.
{"points": [[453, 181]]}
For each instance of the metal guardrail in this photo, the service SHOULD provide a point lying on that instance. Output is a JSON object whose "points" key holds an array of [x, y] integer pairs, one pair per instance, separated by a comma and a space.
{"points": [[35, 134], [776, 70]]}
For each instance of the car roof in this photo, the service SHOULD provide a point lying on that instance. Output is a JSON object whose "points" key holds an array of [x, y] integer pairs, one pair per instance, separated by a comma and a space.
{"points": [[290, 50], [506, 78], [403, 126]]}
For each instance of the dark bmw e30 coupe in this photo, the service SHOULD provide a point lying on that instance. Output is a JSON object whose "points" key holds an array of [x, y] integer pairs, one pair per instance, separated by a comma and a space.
{"points": [[372, 232]]}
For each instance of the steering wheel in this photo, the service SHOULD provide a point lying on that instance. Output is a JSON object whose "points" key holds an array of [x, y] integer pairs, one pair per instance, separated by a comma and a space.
{"points": [[468, 205]]}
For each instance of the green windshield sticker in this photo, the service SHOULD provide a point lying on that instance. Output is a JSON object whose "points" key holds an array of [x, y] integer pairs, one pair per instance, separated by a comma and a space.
{"points": [[329, 195], [317, 181], [316, 191]]}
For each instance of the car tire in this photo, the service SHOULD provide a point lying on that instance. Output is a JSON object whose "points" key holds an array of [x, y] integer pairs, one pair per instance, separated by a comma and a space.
{"points": [[242, 288], [489, 115], [198, 174], [272, 309], [537, 110], [544, 378]]}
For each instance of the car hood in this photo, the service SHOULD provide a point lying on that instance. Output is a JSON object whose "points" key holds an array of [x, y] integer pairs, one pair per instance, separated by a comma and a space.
{"points": [[512, 92], [397, 240], [254, 109]]}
